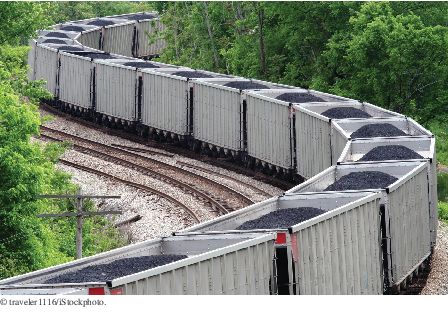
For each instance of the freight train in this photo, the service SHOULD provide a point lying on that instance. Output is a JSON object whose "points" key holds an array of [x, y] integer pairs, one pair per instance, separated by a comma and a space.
{"points": [[364, 221]]}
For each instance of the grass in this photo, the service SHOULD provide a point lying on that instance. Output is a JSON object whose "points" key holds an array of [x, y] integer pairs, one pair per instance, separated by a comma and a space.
{"points": [[440, 130], [443, 211]]}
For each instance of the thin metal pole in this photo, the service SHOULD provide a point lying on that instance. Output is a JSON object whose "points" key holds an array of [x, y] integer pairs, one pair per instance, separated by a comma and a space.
{"points": [[79, 228]]}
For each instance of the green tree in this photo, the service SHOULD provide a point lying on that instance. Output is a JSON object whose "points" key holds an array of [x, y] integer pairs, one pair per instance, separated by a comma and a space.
{"points": [[393, 61], [19, 20]]}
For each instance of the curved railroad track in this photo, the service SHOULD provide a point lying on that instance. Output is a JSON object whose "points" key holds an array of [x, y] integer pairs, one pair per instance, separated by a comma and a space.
{"points": [[198, 186], [205, 170], [166, 147], [142, 187]]}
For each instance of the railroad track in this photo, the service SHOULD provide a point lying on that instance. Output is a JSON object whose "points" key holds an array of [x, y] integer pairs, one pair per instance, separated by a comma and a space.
{"points": [[205, 170], [282, 184], [157, 169], [145, 188]]}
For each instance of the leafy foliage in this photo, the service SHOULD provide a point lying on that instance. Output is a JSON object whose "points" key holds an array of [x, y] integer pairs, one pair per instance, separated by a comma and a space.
{"points": [[27, 169]]}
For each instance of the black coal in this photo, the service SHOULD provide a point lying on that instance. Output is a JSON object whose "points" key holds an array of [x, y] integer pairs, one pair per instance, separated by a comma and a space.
{"points": [[70, 48], [246, 85], [299, 98], [95, 55], [56, 41], [138, 16], [378, 130], [282, 218], [76, 28], [192, 74], [57, 35], [115, 269], [345, 113], [390, 152], [101, 23], [141, 65], [362, 180]]}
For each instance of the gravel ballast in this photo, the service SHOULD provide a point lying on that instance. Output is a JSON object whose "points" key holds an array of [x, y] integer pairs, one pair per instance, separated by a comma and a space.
{"points": [[55, 41], [362, 180], [282, 218], [246, 85], [116, 269], [299, 98], [192, 74], [57, 35], [390, 152], [141, 65], [345, 113], [377, 130], [75, 28]]}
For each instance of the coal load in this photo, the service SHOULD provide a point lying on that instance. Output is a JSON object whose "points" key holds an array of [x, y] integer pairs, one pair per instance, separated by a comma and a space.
{"points": [[246, 85], [75, 28], [95, 55], [282, 218], [390, 152], [57, 35], [362, 180], [70, 48], [299, 98], [345, 113], [141, 65], [138, 16], [55, 41], [101, 23], [192, 74], [116, 269], [377, 130]]}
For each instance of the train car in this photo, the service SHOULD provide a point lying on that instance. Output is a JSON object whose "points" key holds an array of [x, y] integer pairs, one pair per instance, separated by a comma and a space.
{"points": [[219, 118], [77, 80], [118, 85], [167, 109], [405, 205], [148, 29], [416, 148], [269, 126], [313, 131], [119, 38], [335, 248], [186, 265]]}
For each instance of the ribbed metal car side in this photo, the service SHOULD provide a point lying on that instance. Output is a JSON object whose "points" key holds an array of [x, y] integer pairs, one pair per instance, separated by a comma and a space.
{"points": [[145, 30], [313, 149], [300, 267], [313, 134], [119, 38], [116, 90], [221, 264], [269, 129], [75, 80], [91, 38], [46, 67], [406, 203], [219, 112], [422, 145], [31, 60], [165, 102], [340, 252]]}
